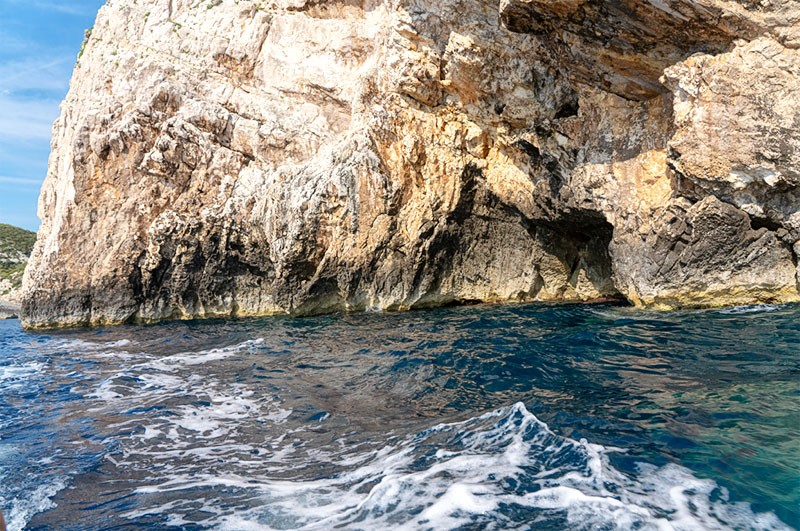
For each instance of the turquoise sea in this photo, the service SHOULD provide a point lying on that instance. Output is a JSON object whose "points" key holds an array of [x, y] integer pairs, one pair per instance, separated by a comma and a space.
{"points": [[595, 417]]}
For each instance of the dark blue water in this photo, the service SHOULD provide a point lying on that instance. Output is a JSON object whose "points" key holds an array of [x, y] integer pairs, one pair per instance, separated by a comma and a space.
{"points": [[502, 417]]}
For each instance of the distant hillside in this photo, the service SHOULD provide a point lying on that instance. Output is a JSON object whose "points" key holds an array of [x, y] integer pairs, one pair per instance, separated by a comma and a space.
{"points": [[15, 247]]}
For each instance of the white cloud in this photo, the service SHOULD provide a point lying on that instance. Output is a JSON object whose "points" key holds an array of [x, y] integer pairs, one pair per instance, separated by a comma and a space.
{"points": [[31, 89], [10, 43], [66, 7], [27, 119], [24, 157], [36, 73], [21, 181]]}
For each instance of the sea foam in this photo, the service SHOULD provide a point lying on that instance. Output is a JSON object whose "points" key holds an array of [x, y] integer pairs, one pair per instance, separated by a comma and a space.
{"points": [[501, 470]]}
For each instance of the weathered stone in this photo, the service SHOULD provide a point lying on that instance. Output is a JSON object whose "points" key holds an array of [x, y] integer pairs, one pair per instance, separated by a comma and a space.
{"points": [[705, 254], [623, 46], [737, 118], [243, 158]]}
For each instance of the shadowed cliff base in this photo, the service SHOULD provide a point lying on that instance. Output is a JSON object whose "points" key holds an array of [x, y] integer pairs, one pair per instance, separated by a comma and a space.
{"points": [[482, 247]]}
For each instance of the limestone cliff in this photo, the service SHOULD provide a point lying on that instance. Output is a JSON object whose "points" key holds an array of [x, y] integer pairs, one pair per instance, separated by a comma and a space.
{"points": [[240, 157]]}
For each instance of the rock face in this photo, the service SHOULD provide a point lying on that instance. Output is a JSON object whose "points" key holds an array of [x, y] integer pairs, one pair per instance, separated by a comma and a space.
{"points": [[240, 157], [8, 310]]}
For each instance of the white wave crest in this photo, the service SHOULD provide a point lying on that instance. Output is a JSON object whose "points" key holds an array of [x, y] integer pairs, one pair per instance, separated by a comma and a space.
{"points": [[501, 470], [755, 308], [32, 502]]}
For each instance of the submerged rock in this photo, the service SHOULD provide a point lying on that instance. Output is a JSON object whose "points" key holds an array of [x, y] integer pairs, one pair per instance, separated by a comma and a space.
{"points": [[239, 157]]}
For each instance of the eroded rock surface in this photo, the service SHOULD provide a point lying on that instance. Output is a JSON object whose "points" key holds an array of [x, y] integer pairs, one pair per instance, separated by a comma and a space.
{"points": [[237, 157]]}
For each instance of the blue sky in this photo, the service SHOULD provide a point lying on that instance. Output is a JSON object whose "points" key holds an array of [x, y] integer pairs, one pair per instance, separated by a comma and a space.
{"points": [[39, 42]]}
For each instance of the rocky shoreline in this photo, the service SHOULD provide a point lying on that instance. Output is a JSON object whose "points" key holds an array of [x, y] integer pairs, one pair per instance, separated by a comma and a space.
{"points": [[307, 157], [9, 310]]}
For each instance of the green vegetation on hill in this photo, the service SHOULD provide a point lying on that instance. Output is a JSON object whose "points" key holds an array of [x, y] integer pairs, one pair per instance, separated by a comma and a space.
{"points": [[14, 240], [15, 247]]}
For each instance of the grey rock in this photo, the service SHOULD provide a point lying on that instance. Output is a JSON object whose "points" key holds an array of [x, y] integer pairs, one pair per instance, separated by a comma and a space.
{"points": [[703, 255], [8, 310]]}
